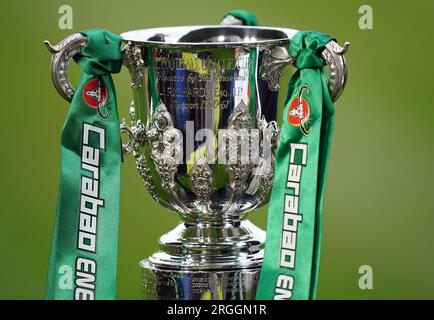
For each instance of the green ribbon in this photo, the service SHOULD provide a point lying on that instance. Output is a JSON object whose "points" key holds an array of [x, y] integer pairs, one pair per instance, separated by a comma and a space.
{"points": [[246, 17], [83, 260], [293, 243]]}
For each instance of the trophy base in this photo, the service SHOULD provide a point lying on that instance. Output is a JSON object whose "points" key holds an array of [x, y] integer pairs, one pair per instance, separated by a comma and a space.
{"points": [[205, 263], [164, 284]]}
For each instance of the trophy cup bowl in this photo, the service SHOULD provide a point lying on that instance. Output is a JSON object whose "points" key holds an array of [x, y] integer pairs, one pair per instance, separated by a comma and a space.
{"points": [[203, 134]]}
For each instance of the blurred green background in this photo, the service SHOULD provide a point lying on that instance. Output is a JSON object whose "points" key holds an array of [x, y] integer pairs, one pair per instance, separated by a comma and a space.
{"points": [[379, 206]]}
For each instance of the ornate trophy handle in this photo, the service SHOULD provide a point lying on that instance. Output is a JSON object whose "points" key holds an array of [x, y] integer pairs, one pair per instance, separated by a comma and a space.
{"points": [[62, 54], [334, 55], [277, 58], [64, 51]]}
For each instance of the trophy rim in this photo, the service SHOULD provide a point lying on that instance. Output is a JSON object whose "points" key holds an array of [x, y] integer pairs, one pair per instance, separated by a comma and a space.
{"points": [[176, 32]]}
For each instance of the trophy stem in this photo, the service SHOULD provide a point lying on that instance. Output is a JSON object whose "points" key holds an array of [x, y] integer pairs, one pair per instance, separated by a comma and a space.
{"points": [[200, 263]]}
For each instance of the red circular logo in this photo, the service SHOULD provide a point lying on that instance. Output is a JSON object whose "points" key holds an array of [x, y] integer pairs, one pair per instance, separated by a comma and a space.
{"points": [[95, 93], [298, 111]]}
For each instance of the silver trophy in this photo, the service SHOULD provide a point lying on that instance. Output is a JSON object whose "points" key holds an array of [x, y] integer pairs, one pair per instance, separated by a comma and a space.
{"points": [[194, 89]]}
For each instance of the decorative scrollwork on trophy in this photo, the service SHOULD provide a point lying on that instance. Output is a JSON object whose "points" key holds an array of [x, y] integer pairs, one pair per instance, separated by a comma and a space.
{"points": [[264, 172], [239, 124], [133, 60], [165, 146], [146, 175], [202, 181], [136, 139], [274, 61]]}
